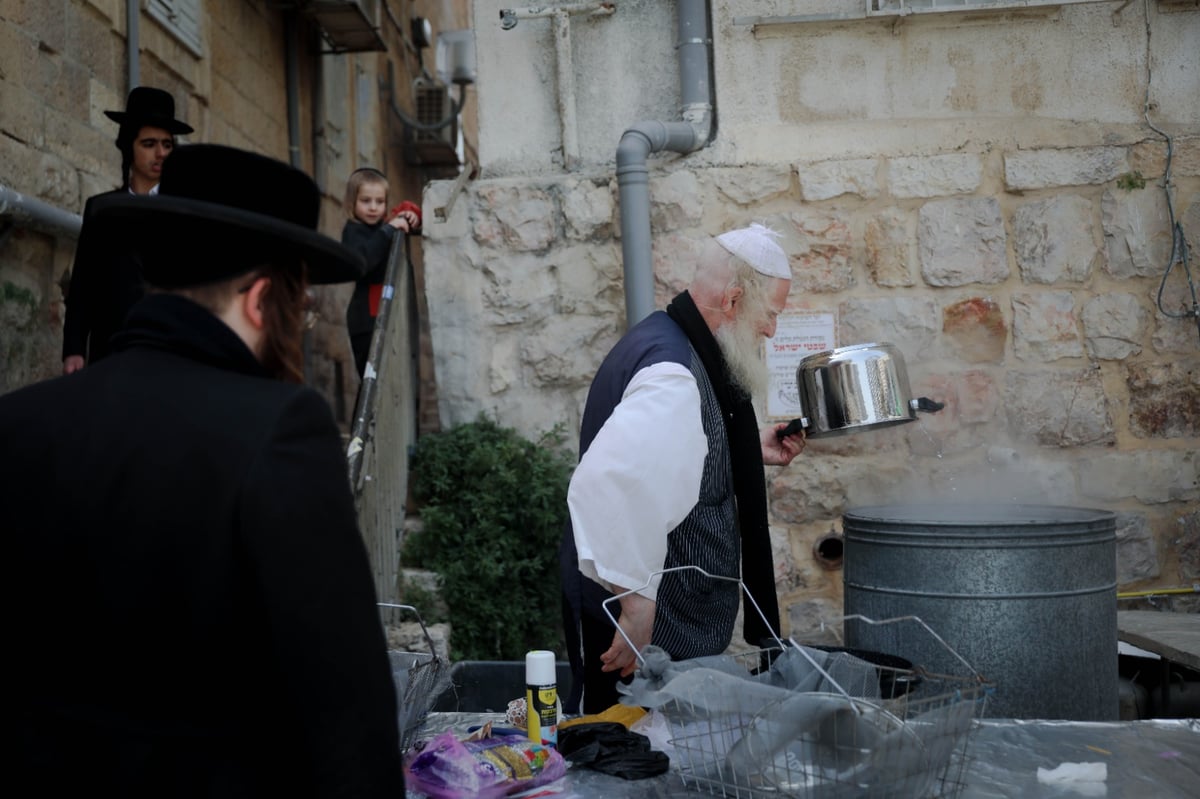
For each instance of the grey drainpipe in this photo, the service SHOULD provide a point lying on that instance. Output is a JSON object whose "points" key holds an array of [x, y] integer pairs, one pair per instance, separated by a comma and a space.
{"points": [[292, 65], [132, 15], [652, 136]]}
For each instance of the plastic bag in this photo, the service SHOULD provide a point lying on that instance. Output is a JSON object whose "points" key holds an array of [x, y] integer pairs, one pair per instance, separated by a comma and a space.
{"points": [[448, 768]]}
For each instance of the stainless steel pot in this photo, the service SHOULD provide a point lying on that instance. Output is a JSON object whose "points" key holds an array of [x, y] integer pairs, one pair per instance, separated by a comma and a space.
{"points": [[848, 389]]}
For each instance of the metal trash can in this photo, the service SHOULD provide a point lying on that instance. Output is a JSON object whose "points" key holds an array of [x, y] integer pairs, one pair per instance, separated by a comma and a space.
{"points": [[1026, 594]]}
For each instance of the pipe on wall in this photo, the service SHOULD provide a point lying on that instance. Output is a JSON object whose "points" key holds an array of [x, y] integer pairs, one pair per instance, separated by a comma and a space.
{"points": [[133, 14], [292, 67], [646, 137], [29, 212]]}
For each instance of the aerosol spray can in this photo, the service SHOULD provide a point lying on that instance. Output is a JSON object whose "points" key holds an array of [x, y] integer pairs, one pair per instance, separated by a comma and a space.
{"points": [[541, 697]]}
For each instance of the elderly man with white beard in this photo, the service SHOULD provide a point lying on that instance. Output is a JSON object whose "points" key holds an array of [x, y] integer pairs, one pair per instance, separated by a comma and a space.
{"points": [[671, 474]]}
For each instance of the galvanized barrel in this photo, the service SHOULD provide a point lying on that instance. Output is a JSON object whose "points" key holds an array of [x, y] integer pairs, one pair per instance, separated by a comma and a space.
{"points": [[1026, 594]]}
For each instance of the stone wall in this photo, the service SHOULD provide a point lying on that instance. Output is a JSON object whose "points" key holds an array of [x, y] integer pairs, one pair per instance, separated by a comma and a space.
{"points": [[1015, 259]]}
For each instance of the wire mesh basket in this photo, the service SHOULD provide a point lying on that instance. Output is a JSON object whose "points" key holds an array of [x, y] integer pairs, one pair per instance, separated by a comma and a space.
{"points": [[801, 722], [419, 678]]}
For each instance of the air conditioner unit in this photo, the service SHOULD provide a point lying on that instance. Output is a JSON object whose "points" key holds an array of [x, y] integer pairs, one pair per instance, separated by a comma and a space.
{"points": [[434, 139]]}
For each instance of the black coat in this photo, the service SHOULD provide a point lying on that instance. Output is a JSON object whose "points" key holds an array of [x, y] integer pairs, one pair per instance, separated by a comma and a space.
{"points": [[374, 242], [193, 612], [103, 288]]}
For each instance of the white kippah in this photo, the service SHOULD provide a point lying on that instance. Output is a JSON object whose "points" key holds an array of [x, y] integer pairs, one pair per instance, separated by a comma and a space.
{"points": [[756, 246]]}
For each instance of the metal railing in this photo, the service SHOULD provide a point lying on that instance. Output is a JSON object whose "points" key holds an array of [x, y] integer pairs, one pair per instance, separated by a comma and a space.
{"points": [[21, 210], [384, 427]]}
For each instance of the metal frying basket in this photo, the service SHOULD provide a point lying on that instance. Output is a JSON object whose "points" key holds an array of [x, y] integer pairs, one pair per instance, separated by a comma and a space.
{"points": [[419, 678], [848, 738]]}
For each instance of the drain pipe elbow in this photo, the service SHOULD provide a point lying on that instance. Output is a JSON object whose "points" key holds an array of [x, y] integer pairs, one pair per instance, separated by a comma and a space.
{"points": [[633, 181]]}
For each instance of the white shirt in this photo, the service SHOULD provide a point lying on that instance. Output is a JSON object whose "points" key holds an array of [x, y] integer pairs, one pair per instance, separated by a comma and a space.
{"points": [[639, 479]]}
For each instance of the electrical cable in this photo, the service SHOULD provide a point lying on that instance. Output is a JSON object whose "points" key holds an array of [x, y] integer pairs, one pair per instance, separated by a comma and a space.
{"points": [[1179, 247]]}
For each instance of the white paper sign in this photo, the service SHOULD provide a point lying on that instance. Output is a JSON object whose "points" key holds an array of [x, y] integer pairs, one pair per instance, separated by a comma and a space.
{"points": [[797, 335]]}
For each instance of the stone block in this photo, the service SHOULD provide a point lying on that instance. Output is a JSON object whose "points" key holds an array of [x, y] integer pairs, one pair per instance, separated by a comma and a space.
{"points": [[24, 117], [1058, 408], [974, 330], [19, 57], [824, 180], [676, 201], [1189, 222], [1137, 549], [751, 185], [978, 397], [889, 254], [18, 165], [818, 246], [45, 19], [1164, 399], [1137, 232], [675, 256], [58, 182], [518, 289], [815, 621], [89, 38], [563, 351], [911, 323], [589, 279], [962, 242], [588, 208], [1114, 326], [1149, 476], [514, 217], [1187, 544], [827, 486], [68, 88], [1024, 479], [1025, 170], [1054, 240], [1045, 327], [934, 176], [1149, 158]]}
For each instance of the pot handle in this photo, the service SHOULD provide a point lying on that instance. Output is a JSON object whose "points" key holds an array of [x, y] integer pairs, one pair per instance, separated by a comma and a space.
{"points": [[794, 426], [926, 404]]}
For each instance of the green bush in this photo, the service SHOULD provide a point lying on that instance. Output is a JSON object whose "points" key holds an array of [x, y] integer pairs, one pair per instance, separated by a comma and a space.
{"points": [[492, 508]]}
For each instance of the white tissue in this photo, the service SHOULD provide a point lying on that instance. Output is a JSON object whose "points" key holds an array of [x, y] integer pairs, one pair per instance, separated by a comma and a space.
{"points": [[1086, 779]]}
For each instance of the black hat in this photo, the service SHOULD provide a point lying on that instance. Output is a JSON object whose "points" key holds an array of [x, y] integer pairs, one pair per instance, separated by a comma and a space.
{"points": [[219, 213], [149, 106]]}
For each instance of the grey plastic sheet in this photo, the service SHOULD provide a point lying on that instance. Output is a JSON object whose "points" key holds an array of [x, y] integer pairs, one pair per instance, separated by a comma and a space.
{"points": [[1143, 759]]}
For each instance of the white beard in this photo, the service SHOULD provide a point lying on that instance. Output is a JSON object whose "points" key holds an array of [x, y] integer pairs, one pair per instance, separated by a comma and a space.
{"points": [[739, 343]]}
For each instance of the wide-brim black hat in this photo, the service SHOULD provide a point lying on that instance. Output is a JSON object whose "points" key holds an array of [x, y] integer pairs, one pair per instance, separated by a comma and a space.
{"points": [[221, 212], [149, 106]]}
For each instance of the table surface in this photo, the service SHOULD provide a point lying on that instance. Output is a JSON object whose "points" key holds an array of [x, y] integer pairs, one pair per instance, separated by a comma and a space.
{"points": [[1174, 636], [1154, 758]]}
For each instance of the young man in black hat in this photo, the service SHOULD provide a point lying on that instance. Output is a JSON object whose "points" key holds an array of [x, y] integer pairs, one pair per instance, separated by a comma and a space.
{"points": [[103, 289], [197, 612]]}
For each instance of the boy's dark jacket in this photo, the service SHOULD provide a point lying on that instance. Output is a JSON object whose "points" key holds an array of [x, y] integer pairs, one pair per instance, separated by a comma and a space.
{"points": [[373, 242]]}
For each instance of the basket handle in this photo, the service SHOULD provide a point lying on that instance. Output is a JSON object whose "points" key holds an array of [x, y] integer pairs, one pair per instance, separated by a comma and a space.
{"points": [[617, 597], [928, 629], [420, 621]]}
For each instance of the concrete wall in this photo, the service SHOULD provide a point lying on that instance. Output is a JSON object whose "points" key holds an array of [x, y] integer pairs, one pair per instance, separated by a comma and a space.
{"points": [[982, 190]]}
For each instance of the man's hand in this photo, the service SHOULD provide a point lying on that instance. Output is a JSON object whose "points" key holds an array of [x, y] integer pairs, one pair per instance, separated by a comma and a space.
{"points": [[778, 451], [72, 363], [637, 620]]}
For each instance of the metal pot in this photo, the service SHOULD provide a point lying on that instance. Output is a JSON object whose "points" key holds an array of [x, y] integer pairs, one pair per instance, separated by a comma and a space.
{"points": [[855, 388]]}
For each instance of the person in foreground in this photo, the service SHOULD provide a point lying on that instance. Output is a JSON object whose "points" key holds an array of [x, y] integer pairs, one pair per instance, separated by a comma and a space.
{"points": [[671, 474], [197, 613]]}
